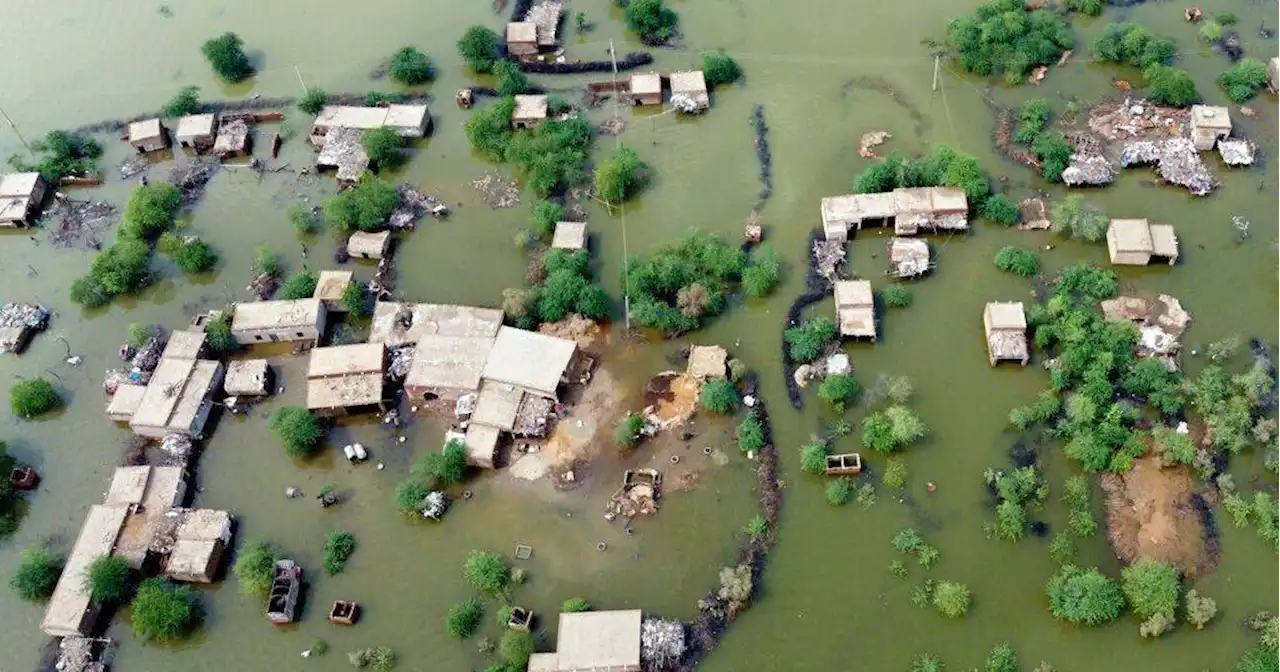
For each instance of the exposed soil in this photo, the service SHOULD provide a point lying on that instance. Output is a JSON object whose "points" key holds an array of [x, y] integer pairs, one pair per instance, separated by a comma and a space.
{"points": [[671, 398], [578, 437], [575, 328], [1155, 512]]}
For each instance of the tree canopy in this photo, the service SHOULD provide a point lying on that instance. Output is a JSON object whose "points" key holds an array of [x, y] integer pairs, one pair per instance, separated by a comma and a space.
{"points": [[162, 610], [479, 48], [1002, 38], [37, 574], [33, 397], [719, 68], [1244, 79], [186, 101], [62, 154], [651, 20], [807, 340], [619, 176], [941, 167], [382, 144], [298, 429], [108, 578], [487, 571], [365, 207], [255, 567], [226, 54], [410, 66], [1134, 45], [1017, 260], [677, 286], [1170, 86], [1084, 597]]}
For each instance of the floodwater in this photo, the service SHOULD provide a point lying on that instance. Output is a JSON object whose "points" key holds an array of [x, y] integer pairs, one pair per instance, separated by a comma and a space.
{"points": [[828, 600]]}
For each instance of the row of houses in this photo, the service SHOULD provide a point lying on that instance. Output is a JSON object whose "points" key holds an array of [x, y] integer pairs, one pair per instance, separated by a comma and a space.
{"points": [[337, 131], [201, 133]]}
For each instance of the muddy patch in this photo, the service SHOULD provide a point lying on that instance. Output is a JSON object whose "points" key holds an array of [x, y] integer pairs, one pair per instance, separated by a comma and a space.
{"points": [[1155, 512], [670, 398]]}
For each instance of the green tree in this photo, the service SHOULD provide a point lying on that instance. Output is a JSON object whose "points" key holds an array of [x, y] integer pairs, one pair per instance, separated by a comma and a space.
{"points": [[516, 647], [1002, 38], [1199, 610], [1170, 86], [895, 472], [217, 332], [718, 396], [651, 20], [718, 68], [300, 285], [37, 574], [627, 432], [464, 617], [226, 54], [410, 495], [298, 429], [545, 216], [1071, 217], [510, 79], [1244, 79], [365, 207], [1001, 658], [447, 467], [813, 458], [255, 567], [1151, 587], [303, 219], [107, 578], [839, 491], [575, 605], [1011, 521], [489, 129], [750, 433], [123, 268], [896, 296], [618, 177], [487, 571], [1083, 597], [762, 272], [355, 298], [162, 610], [951, 599], [411, 67], [62, 153], [186, 101], [1017, 260], [195, 257], [338, 547], [908, 540], [1062, 549], [1134, 45], [1089, 7], [999, 209], [806, 341], [927, 662], [151, 210], [313, 100], [839, 390], [32, 397], [382, 144], [479, 48]]}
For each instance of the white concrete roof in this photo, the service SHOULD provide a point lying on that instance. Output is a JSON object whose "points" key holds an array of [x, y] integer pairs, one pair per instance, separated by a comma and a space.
{"points": [[144, 130], [184, 344], [497, 405], [599, 640], [128, 485], [529, 360], [431, 319], [368, 244], [853, 293], [1130, 235], [646, 84], [343, 360], [1211, 116], [449, 362], [196, 126], [18, 185], [522, 31], [255, 315], [246, 376], [177, 389], [331, 284], [690, 81], [72, 598], [362, 389], [126, 400], [569, 236], [530, 107], [1005, 316]]}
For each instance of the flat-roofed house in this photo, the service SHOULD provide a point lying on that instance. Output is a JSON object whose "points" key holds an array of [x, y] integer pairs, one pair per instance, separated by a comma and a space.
{"points": [[707, 362], [534, 362], [522, 38], [185, 344], [197, 131], [690, 86], [1273, 72], [200, 542], [1208, 124], [365, 245], [71, 610], [841, 213], [149, 507], [148, 135], [233, 139], [447, 367], [908, 257], [913, 209], [409, 121], [178, 398], [1136, 242], [529, 111], [285, 321], [125, 402], [344, 151], [855, 309], [345, 377], [20, 198], [593, 641], [247, 377], [329, 288], [406, 323], [569, 236], [1006, 329], [646, 89]]}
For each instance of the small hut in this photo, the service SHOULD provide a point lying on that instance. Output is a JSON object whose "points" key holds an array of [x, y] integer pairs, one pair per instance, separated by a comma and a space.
{"points": [[232, 140], [148, 135], [908, 257], [708, 361], [20, 197], [522, 38], [247, 377], [689, 91], [1006, 327], [1208, 124], [1135, 242], [530, 111], [365, 245], [329, 289], [1273, 73], [197, 131], [855, 309], [646, 89], [569, 236]]}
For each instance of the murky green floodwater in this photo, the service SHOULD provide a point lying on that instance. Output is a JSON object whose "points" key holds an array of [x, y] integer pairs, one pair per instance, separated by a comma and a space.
{"points": [[828, 601]]}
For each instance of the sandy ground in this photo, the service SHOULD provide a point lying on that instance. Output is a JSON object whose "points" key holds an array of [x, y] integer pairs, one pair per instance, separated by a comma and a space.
{"points": [[1151, 513]]}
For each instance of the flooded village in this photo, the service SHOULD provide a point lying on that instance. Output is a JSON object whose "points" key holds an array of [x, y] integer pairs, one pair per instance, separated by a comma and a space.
{"points": [[640, 336]]}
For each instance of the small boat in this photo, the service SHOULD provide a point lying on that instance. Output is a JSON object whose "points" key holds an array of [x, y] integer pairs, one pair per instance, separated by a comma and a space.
{"points": [[344, 612], [282, 601]]}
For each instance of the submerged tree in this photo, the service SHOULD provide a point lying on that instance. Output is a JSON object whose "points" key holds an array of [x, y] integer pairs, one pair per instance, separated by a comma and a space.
{"points": [[37, 574], [619, 176], [226, 54], [719, 68], [651, 20], [298, 429], [33, 397], [479, 48], [107, 578], [487, 571], [186, 101], [162, 610], [255, 567], [1002, 38], [410, 66], [1084, 597]]}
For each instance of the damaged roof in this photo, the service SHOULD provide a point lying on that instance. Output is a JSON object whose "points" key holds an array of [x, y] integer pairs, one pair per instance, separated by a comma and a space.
{"points": [[529, 360]]}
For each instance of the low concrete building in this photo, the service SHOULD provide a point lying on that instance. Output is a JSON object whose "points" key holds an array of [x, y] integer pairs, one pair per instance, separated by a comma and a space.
{"points": [[247, 377], [569, 236], [1208, 124], [71, 610], [522, 38], [329, 289], [646, 89], [1006, 329], [407, 323], [365, 245], [408, 121], [536, 363], [708, 361], [1273, 73], [233, 140], [593, 641], [343, 151], [545, 14], [148, 135], [341, 378], [20, 197], [125, 402], [185, 344], [911, 210], [447, 367], [199, 544], [529, 111], [1136, 242], [689, 86], [151, 494], [908, 257], [279, 321], [855, 309], [481, 442], [178, 398], [197, 131]]}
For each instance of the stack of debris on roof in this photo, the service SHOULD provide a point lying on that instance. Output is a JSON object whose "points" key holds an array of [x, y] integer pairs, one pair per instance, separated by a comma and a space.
{"points": [[232, 140], [908, 257], [1236, 151], [1176, 161], [1160, 322], [343, 150], [18, 322]]}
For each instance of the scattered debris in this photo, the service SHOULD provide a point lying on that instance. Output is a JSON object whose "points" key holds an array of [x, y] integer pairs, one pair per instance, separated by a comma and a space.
{"points": [[1191, 14], [263, 286], [827, 257], [79, 222], [870, 141], [134, 165], [638, 495], [1236, 151], [1035, 215], [413, 205], [670, 399], [463, 98], [575, 327], [193, 176], [1176, 161], [662, 643], [1161, 323], [1037, 75], [1085, 169], [753, 233], [83, 654], [612, 126], [18, 323], [497, 191]]}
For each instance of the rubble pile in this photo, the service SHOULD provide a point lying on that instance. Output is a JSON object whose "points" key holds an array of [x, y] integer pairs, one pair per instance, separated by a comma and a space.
{"points": [[401, 360], [193, 176], [1176, 161], [1088, 169], [175, 449], [662, 643], [1236, 151], [29, 315], [79, 221], [413, 205], [827, 257]]}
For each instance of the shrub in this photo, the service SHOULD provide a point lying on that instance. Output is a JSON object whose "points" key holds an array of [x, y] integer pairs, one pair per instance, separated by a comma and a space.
{"points": [[1017, 260], [410, 494], [908, 540], [195, 257], [1054, 153], [32, 397], [756, 527], [951, 599], [487, 571], [479, 48], [718, 396], [217, 331], [892, 429], [107, 578], [1089, 7], [552, 155], [675, 287], [1175, 448], [137, 334], [150, 211], [750, 434], [1244, 79], [303, 219], [162, 610], [123, 268], [1001, 658], [298, 429], [515, 647], [1087, 281], [301, 285], [806, 341], [1151, 587], [718, 68], [762, 272], [410, 66], [839, 389], [1001, 210], [1062, 549], [185, 101], [575, 605], [627, 432], [37, 574], [545, 216], [338, 547], [1071, 217], [896, 296], [489, 129], [651, 20], [1170, 86], [313, 100], [839, 491], [1154, 382], [355, 298], [618, 177], [447, 467], [813, 458], [895, 472], [382, 144], [62, 154], [226, 54], [1033, 119], [511, 80], [464, 618], [365, 207], [1083, 597], [568, 288], [1199, 610], [255, 567], [266, 261], [1131, 44], [1002, 38], [1211, 31], [927, 662]]}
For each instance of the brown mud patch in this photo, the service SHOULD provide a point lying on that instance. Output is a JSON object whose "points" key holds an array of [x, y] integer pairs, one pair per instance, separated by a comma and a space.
{"points": [[1155, 512], [670, 398]]}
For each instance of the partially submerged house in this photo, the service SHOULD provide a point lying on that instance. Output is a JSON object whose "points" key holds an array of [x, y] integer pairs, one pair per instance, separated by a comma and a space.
{"points": [[185, 344], [341, 378], [530, 111], [689, 91], [646, 89], [148, 135], [71, 610], [545, 14], [522, 38], [1006, 329], [247, 377], [929, 208], [365, 245], [1208, 124], [407, 323], [329, 289], [343, 151], [232, 140], [20, 198], [855, 309], [272, 321], [197, 131], [536, 363], [408, 121], [1136, 242], [707, 362], [569, 236], [593, 641], [125, 402], [1273, 73], [200, 541], [908, 257], [178, 398], [150, 494]]}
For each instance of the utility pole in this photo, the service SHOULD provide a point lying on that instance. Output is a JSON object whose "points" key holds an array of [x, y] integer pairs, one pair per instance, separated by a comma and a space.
{"points": [[626, 274], [298, 72], [936, 58], [24, 140]]}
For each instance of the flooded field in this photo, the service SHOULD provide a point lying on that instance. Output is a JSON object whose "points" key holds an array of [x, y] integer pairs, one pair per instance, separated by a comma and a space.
{"points": [[825, 73]]}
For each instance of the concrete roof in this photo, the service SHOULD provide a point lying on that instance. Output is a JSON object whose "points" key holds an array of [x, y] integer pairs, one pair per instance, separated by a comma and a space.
{"points": [[1005, 316], [18, 185], [522, 31], [529, 360], [128, 485], [256, 315], [233, 138], [1164, 241], [646, 84], [126, 400], [1211, 116], [599, 640], [368, 244], [1130, 235], [144, 130], [201, 535], [431, 319], [361, 389], [177, 389], [497, 405], [331, 284], [481, 442], [184, 344], [408, 120], [530, 107], [449, 362], [343, 360], [708, 361], [351, 116], [246, 376], [948, 199], [857, 321], [166, 486], [857, 207], [569, 236], [71, 598], [196, 125], [853, 293], [909, 256], [690, 81], [344, 150]]}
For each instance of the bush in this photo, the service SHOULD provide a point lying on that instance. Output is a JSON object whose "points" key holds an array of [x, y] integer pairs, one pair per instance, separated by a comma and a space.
{"points": [[951, 599], [37, 574], [1211, 31], [718, 68], [896, 296], [1002, 38], [718, 396], [1170, 86], [1017, 260], [1033, 119], [942, 167], [1083, 597], [489, 129], [355, 298], [313, 101], [618, 177], [839, 491], [487, 571], [137, 334], [301, 285], [1001, 658], [1244, 79], [552, 155], [675, 287], [1001, 210], [762, 273], [32, 397], [839, 389], [226, 54], [908, 540], [365, 207], [510, 79], [1151, 588], [123, 268], [255, 567], [162, 610], [410, 494], [266, 261], [479, 47], [813, 458], [382, 144], [1062, 549], [186, 101], [217, 331], [807, 341], [545, 216], [927, 662], [1199, 610], [107, 578], [651, 20], [447, 467], [750, 434], [516, 647], [895, 473], [195, 257], [1087, 281], [410, 67], [168, 243], [568, 288], [464, 618], [575, 605], [1054, 153], [891, 429], [151, 210], [298, 429], [303, 219], [627, 432], [1131, 44], [338, 547], [63, 154]]}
